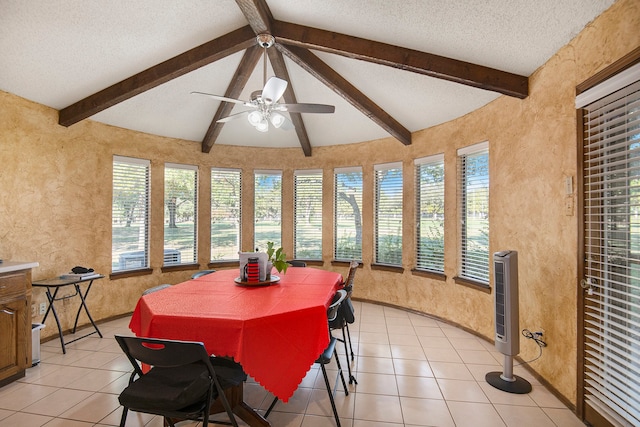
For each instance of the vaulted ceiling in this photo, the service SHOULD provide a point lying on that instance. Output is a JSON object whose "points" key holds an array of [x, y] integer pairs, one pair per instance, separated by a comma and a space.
{"points": [[390, 68]]}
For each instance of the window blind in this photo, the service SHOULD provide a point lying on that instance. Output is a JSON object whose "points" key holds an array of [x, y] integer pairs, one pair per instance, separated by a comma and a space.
{"points": [[180, 214], [130, 214], [612, 253], [226, 213], [473, 180], [430, 213], [308, 214], [388, 214], [348, 213], [267, 209]]}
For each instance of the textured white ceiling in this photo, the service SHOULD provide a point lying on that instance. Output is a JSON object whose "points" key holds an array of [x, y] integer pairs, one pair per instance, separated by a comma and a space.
{"points": [[57, 53]]}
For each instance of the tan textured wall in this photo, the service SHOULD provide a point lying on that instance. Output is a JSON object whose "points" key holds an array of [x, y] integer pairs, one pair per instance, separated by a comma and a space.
{"points": [[55, 198]]}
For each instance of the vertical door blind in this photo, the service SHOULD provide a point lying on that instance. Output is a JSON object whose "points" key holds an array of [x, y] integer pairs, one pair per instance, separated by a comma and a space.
{"points": [[612, 254], [430, 213], [388, 214], [473, 163], [226, 213], [308, 215], [130, 214]]}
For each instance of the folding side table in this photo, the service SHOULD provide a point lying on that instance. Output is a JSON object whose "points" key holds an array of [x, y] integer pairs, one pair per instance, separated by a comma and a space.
{"points": [[55, 285]]}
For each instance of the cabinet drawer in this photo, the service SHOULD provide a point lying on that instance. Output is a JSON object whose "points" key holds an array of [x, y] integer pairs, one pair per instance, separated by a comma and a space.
{"points": [[12, 286]]}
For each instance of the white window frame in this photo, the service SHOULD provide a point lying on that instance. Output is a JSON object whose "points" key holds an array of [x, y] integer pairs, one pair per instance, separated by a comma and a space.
{"points": [[430, 208], [276, 208], [231, 214], [135, 258], [307, 199], [473, 264], [340, 233], [181, 256], [388, 252]]}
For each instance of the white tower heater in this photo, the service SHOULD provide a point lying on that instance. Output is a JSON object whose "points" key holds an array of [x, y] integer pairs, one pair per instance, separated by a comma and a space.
{"points": [[507, 336]]}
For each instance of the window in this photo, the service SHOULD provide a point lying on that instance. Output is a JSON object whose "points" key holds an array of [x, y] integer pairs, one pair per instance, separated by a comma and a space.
{"points": [[268, 209], [308, 214], [388, 214], [226, 213], [347, 214], [473, 180], [180, 214], [130, 214], [430, 213]]}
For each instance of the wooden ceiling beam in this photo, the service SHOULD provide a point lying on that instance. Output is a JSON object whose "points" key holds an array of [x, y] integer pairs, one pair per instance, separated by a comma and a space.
{"points": [[320, 70], [184, 63], [238, 82], [399, 57], [257, 14], [280, 70]]}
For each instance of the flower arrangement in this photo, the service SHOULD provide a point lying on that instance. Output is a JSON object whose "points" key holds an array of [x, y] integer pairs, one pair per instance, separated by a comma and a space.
{"points": [[277, 257]]}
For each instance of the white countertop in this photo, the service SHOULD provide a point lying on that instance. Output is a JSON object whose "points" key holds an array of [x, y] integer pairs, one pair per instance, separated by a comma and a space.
{"points": [[9, 266]]}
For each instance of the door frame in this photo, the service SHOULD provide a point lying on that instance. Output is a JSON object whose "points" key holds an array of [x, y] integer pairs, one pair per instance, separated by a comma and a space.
{"points": [[632, 58]]}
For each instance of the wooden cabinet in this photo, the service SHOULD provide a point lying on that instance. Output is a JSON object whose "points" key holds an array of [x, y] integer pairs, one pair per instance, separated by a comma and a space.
{"points": [[15, 324]]}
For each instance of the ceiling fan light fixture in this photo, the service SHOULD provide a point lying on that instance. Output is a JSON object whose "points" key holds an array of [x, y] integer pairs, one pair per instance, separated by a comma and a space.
{"points": [[254, 117], [263, 125], [277, 119]]}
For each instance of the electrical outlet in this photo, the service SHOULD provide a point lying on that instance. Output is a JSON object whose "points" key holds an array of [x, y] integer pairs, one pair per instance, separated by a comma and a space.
{"points": [[43, 307], [34, 312]]}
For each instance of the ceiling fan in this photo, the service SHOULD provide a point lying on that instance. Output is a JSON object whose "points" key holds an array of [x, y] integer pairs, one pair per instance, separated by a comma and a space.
{"points": [[264, 105]]}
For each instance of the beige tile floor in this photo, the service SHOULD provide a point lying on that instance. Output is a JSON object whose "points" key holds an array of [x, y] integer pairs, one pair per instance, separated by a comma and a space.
{"points": [[411, 370]]}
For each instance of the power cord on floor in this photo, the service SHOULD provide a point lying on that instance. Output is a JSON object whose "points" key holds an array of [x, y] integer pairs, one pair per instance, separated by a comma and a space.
{"points": [[537, 337]]}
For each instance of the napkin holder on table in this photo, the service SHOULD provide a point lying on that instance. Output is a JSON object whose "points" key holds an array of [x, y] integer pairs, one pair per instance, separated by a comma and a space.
{"points": [[262, 261]]}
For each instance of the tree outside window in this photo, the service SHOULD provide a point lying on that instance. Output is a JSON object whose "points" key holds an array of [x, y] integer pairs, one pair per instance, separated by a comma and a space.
{"points": [[180, 214], [347, 214]]}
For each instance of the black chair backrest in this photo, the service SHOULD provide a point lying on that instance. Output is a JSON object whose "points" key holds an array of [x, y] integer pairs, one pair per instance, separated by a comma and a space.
{"points": [[332, 311], [156, 288], [201, 273], [348, 284], [296, 263], [163, 353]]}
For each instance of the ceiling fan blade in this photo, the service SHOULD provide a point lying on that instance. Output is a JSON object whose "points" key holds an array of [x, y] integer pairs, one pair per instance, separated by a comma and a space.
{"points": [[273, 90], [222, 98], [308, 108], [287, 125], [232, 117]]}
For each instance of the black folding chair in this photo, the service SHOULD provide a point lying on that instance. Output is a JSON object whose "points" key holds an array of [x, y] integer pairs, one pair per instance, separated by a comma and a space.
{"points": [[296, 263], [345, 316], [182, 382], [156, 289], [201, 273], [325, 358]]}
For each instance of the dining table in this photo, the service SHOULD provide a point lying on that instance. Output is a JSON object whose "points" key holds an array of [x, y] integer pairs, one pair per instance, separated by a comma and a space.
{"points": [[276, 330]]}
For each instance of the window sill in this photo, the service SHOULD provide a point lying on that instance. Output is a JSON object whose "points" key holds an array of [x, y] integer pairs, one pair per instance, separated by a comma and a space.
{"points": [[130, 273], [473, 284], [316, 262], [225, 263], [387, 267], [345, 262], [429, 274], [179, 267]]}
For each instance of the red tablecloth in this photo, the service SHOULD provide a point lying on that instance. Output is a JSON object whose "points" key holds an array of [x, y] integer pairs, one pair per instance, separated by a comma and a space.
{"points": [[276, 332]]}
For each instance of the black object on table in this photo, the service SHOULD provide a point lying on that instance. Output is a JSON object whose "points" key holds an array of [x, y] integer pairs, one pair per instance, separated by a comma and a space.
{"points": [[58, 283]]}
